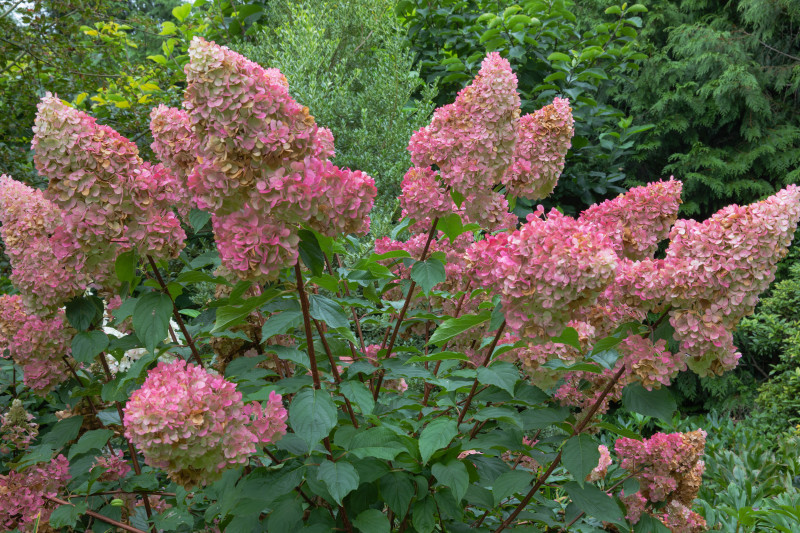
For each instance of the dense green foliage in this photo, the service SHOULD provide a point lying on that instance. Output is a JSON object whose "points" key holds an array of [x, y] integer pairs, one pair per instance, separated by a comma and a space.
{"points": [[355, 71], [721, 84], [553, 54]]}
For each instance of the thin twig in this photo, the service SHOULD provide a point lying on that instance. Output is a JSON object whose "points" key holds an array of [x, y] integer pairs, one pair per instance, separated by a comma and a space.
{"points": [[175, 312], [98, 516], [307, 323]]}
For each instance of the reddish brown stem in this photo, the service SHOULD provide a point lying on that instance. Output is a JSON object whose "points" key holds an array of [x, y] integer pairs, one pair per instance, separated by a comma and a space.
{"points": [[402, 314], [136, 468], [486, 361], [98, 516], [307, 323], [335, 372], [543, 478], [175, 312]]}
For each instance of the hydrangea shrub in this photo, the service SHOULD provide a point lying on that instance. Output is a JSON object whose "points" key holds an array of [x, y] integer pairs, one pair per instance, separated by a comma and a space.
{"points": [[454, 378]]}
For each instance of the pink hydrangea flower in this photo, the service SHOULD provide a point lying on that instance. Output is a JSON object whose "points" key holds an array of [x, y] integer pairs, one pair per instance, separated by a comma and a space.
{"points": [[37, 344], [23, 494], [543, 139], [669, 468], [600, 471], [114, 465], [29, 222], [194, 425], [543, 271], [472, 140], [638, 219]]}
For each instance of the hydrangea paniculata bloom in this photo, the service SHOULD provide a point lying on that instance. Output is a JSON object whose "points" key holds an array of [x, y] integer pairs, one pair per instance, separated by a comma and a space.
{"points": [[108, 196], [173, 140], [17, 428], [37, 344], [23, 494], [543, 139], [639, 219], [194, 425], [262, 160], [114, 466], [669, 468], [29, 223], [600, 471], [472, 140], [544, 271]]}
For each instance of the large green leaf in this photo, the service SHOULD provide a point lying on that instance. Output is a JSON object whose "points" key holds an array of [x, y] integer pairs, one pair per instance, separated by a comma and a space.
{"points": [[595, 503], [312, 415], [500, 374], [428, 273], [455, 326], [151, 319], [510, 483], [453, 475], [396, 490], [658, 403], [341, 478], [436, 436], [67, 515], [87, 345], [580, 456], [280, 323], [357, 392], [93, 439], [423, 515], [372, 521], [328, 311], [83, 311]]}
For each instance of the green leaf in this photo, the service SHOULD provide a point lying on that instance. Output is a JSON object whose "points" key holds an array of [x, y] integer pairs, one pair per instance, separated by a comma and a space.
{"points": [[500, 374], [125, 266], [595, 503], [182, 11], [500, 414], [569, 337], [87, 345], [328, 311], [310, 252], [658, 403], [93, 439], [452, 226], [636, 8], [357, 392], [62, 432], [580, 456], [67, 515], [231, 315], [83, 311], [372, 521], [453, 475], [651, 524], [151, 319], [436, 436], [455, 326], [510, 483], [423, 515], [558, 56], [312, 415], [396, 490], [280, 323], [428, 273], [198, 219], [613, 10], [341, 478], [438, 356]]}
